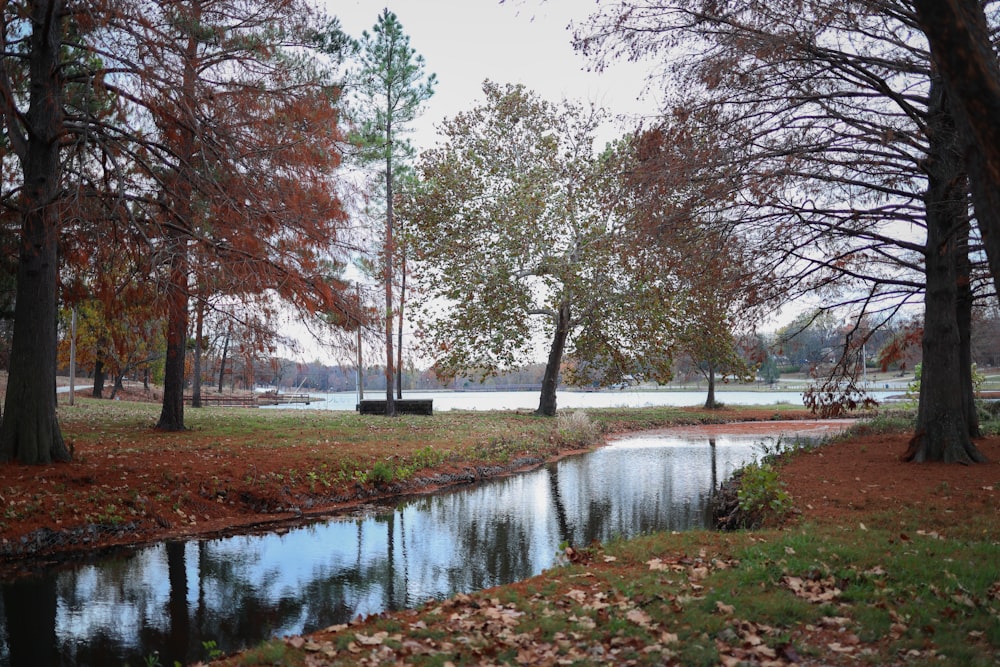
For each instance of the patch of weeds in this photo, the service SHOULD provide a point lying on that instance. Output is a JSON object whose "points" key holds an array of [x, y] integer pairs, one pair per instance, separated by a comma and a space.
{"points": [[381, 473], [274, 652], [886, 422], [699, 652], [575, 429], [427, 457], [212, 649], [500, 448]]}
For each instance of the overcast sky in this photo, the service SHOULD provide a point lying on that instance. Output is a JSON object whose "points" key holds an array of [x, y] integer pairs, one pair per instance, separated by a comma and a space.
{"points": [[520, 41]]}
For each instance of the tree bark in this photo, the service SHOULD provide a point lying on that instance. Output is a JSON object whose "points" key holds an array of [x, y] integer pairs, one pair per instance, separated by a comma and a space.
{"points": [[99, 375], [180, 222], [710, 403], [963, 315], [225, 352], [550, 381], [390, 400], [30, 430], [942, 417], [963, 53], [399, 339], [172, 409], [196, 380]]}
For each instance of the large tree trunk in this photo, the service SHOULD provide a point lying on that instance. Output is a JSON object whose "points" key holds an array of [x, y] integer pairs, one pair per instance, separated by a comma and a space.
{"points": [[99, 375], [963, 316], [172, 410], [30, 431], [550, 381], [963, 52], [179, 224], [942, 416]]}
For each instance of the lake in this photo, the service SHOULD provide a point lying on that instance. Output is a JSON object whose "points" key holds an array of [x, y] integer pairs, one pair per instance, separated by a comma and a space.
{"points": [[528, 400]]}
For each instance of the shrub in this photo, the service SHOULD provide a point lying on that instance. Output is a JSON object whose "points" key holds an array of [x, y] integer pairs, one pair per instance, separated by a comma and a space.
{"points": [[381, 473], [575, 429], [761, 495]]}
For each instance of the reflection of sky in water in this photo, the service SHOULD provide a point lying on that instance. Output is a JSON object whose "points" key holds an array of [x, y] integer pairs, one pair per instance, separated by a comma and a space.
{"points": [[241, 590], [528, 400]]}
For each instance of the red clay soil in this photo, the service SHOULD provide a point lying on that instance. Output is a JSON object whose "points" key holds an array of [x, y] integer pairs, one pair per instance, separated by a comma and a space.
{"points": [[865, 474]]}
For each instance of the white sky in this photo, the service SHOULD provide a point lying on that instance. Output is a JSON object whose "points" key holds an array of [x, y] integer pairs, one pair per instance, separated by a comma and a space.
{"points": [[465, 42]]}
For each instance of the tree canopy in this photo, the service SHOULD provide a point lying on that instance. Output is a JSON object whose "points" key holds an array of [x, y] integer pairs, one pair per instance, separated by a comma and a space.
{"points": [[518, 233]]}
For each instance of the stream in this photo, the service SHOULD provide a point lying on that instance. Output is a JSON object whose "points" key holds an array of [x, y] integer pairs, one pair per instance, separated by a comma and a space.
{"points": [[178, 599]]}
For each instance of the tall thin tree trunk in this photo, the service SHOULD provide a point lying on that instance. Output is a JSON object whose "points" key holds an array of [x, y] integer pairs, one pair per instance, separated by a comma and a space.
{"points": [[963, 314], [390, 402], [399, 346], [550, 381], [225, 352], [30, 430], [962, 51], [710, 403], [198, 330]]}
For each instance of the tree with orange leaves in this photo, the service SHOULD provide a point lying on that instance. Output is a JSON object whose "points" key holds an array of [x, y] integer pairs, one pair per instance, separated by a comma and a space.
{"points": [[246, 116]]}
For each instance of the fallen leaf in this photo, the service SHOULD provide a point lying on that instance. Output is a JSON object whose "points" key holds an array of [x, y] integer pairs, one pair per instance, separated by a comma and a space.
{"points": [[837, 647], [373, 640], [639, 617], [724, 609]]}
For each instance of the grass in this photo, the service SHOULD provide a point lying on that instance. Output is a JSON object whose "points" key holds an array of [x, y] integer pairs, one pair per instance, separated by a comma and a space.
{"points": [[888, 591], [703, 598]]}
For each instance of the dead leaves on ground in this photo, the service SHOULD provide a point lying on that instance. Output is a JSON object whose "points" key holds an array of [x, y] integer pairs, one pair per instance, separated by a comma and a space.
{"points": [[586, 619]]}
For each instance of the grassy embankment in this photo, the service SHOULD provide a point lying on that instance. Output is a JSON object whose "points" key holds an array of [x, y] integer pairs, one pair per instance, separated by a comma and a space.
{"points": [[893, 586]]}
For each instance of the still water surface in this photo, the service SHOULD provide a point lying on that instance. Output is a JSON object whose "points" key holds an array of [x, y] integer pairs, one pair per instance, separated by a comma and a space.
{"points": [[237, 591], [528, 400]]}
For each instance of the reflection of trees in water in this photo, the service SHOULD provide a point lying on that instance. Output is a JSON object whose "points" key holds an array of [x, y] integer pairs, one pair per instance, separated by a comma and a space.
{"points": [[239, 591], [30, 609], [470, 539]]}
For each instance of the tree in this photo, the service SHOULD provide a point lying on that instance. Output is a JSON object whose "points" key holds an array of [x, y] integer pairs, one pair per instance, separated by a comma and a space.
{"points": [[390, 87], [518, 234], [34, 31], [244, 116], [959, 33], [769, 371], [817, 117], [723, 287]]}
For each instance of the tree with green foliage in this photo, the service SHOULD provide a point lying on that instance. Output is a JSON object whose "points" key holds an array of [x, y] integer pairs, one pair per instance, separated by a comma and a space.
{"points": [[769, 371], [389, 88], [518, 235]]}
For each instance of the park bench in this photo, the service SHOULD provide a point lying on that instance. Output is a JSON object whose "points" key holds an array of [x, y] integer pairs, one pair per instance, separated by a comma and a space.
{"points": [[404, 406]]}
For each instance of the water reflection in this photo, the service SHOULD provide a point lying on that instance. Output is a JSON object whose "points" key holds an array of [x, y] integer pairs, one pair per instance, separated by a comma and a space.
{"points": [[173, 597]]}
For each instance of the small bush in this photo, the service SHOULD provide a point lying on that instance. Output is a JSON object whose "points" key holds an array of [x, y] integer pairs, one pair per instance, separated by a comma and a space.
{"points": [[761, 494], [381, 473], [575, 429]]}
